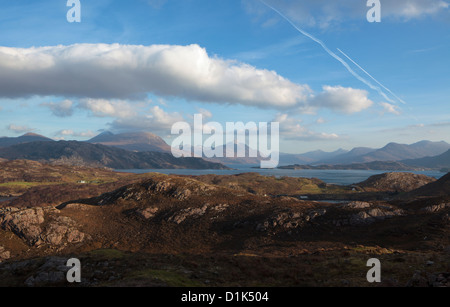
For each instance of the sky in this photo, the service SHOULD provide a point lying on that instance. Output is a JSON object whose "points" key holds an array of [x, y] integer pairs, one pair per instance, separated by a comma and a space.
{"points": [[331, 78]]}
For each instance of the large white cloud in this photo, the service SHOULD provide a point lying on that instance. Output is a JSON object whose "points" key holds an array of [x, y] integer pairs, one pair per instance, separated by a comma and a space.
{"points": [[131, 71], [341, 99]]}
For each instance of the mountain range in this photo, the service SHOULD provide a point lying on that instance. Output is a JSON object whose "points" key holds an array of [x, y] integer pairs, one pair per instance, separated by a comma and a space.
{"points": [[104, 149], [134, 141], [390, 152], [96, 155], [26, 138]]}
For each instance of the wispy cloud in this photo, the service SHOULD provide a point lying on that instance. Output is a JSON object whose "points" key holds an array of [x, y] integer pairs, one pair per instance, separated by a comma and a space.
{"points": [[286, 46], [329, 14], [389, 108], [371, 77], [19, 129]]}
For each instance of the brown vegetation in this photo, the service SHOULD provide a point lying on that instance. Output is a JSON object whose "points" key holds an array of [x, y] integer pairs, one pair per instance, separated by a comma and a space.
{"points": [[220, 231]]}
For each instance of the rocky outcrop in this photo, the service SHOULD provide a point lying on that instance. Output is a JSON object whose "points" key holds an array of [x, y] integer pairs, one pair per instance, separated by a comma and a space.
{"points": [[436, 208], [53, 271], [184, 214], [26, 224], [395, 182], [38, 226], [373, 215], [62, 230], [289, 220], [359, 213], [179, 188], [147, 213], [356, 205], [4, 254]]}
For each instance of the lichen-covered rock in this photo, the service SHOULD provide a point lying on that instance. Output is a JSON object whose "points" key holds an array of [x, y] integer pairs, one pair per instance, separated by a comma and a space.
{"points": [[372, 215], [24, 223], [62, 230], [183, 214], [147, 213], [290, 219], [356, 205], [28, 224]]}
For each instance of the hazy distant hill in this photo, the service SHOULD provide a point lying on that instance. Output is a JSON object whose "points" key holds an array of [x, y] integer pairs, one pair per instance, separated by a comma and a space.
{"points": [[134, 141], [347, 157], [26, 138], [390, 152], [86, 154], [441, 161], [310, 157]]}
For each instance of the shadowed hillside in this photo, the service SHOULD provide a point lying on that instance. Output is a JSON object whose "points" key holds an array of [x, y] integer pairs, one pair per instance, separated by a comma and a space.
{"points": [[85, 154]]}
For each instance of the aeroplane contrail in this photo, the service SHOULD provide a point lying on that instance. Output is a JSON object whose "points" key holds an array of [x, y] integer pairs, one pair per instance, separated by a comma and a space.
{"points": [[398, 98], [338, 58]]}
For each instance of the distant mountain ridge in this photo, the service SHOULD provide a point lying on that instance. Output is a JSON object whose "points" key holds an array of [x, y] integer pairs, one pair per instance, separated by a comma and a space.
{"points": [[441, 161], [26, 138], [133, 141], [426, 154], [391, 152], [96, 155]]}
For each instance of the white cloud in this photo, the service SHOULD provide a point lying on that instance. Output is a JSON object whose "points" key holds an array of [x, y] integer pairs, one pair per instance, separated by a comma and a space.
{"points": [[409, 9], [154, 120], [341, 99], [133, 115], [108, 108], [61, 109], [291, 129], [107, 77], [390, 108], [19, 129], [114, 71], [325, 14], [71, 133]]}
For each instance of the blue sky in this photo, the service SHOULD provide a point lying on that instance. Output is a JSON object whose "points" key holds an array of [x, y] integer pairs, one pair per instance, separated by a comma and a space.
{"points": [[144, 64]]}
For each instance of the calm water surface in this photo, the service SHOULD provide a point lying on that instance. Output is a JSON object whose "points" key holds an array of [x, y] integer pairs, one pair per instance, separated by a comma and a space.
{"points": [[343, 177]]}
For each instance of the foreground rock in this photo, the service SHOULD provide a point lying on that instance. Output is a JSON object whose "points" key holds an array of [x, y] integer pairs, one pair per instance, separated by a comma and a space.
{"points": [[4, 254], [39, 226], [395, 182]]}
